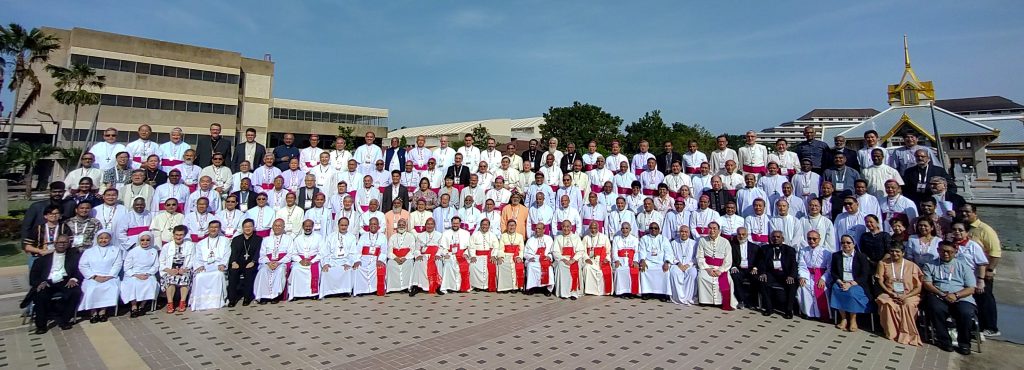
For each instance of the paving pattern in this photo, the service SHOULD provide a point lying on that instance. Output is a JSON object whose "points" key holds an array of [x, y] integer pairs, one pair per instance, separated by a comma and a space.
{"points": [[471, 331]]}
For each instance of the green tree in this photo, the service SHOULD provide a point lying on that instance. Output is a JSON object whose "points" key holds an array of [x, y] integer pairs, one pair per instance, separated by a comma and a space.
{"points": [[579, 124], [346, 132], [27, 48], [650, 127], [70, 156], [403, 142], [682, 134], [29, 155], [480, 136], [74, 87]]}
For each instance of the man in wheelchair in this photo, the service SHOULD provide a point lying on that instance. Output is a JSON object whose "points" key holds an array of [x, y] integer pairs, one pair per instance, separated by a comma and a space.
{"points": [[949, 283]]}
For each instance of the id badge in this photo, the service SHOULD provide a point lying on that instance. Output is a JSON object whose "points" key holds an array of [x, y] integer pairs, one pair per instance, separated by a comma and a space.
{"points": [[244, 207], [806, 189], [847, 276], [79, 239], [309, 204], [776, 264], [190, 182], [897, 286], [921, 187], [229, 231], [288, 228], [744, 264], [316, 226], [840, 186]]}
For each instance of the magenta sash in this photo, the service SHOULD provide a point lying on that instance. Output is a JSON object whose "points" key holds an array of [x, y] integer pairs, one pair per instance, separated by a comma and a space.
{"points": [[819, 293], [133, 231], [263, 233], [755, 169], [170, 162], [723, 282]]}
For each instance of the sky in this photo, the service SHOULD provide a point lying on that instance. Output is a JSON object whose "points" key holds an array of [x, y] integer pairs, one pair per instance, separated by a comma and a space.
{"points": [[727, 65]]}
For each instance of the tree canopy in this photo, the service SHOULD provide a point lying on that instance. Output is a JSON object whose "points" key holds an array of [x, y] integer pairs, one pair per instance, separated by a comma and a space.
{"points": [[579, 124]]}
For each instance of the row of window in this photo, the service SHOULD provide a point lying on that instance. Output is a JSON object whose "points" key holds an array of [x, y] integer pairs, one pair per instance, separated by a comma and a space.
{"points": [[166, 104], [129, 136], [153, 69], [305, 115]]}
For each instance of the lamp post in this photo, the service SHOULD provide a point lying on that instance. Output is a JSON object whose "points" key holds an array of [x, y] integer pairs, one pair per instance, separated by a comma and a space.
{"points": [[56, 134]]}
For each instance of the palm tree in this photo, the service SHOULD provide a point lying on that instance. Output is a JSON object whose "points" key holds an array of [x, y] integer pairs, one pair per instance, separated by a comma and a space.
{"points": [[70, 156], [27, 48], [72, 84], [29, 156]]}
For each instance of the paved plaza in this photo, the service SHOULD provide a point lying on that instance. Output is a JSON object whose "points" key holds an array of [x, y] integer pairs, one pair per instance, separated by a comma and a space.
{"points": [[471, 330]]}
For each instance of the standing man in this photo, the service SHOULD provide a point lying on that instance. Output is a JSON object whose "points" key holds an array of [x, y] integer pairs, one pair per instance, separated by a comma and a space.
{"points": [[142, 148], [722, 154], [753, 156], [840, 148], [614, 160], [217, 144], [420, 155], [106, 150], [841, 176], [394, 191], [368, 153], [813, 149], [172, 153], [916, 178], [85, 169], [394, 157], [989, 240], [569, 158], [470, 153], [35, 216], [492, 155], [691, 160], [445, 156], [285, 152], [340, 155], [249, 150], [515, 161], [870, 144], [532, 155], [639, 162], [905, 156], [310, 157]]}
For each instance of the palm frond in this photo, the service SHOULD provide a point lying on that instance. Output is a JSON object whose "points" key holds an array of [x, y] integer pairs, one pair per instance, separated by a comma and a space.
{"points": [[33, 94]]}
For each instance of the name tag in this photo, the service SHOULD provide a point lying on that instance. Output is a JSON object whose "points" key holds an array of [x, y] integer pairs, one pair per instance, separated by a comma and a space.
{"points": [[316, 226], [839, 186], [847, 276], [309, 204], [806, 189], [776, 264], [79, 239], [921, 187], [244, 207], [898, 287]]}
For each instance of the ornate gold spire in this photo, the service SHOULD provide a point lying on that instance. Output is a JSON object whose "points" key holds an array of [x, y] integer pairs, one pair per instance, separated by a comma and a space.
{"points": [[910, 90]]}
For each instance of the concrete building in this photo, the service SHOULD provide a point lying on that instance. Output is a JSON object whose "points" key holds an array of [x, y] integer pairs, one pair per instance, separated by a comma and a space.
{"points": [[823, 120], [502, 130], [169, 85]]}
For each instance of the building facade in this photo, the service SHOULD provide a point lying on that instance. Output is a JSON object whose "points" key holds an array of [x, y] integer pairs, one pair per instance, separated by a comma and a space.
{"points": [[503, 130]]}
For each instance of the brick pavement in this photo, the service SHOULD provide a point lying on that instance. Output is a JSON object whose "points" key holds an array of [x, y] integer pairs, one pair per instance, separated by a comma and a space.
{"points": [[474, 330]]}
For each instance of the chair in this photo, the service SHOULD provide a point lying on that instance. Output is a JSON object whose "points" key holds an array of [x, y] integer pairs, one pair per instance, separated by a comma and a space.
{"points": [[927, 331]]}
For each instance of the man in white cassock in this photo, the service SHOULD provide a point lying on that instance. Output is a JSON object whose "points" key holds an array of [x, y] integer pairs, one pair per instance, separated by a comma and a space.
{"points": [[511, 270], [427, 266], [401, 252], [371, 271], [654, 256], [792, 229], [683, 275], [337, 256], [813, 265], [597, 272], [714, 259], [483, 247], [209, 263], [625, 270], [568, 252], [539, 273], [274, 261], [455, 265], [305, 276]]}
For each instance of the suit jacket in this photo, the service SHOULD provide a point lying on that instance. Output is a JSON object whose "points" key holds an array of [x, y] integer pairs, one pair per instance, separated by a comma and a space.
{"points": [[463, 178], [206, 148], [851, 158], [240, 156], [250, 202], [390, 153], [388, 204], [861, 269], [766, 255], [301, 198], [665, 161], [837, 205], [912, 177], [41, 268], [534, 157], [238, 245], [957, 200], [719, 199], [752, 252], [566, 163]]}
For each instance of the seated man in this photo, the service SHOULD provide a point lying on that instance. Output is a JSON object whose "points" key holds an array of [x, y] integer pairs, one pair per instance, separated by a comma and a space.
{"points": [[55, 274], [305, 275], [454, 244], [426, 276], [949, 283], [813, 264], [270, 278], [400, 268], [370, 268], [568, 253], [654, 257], [714, 259], [209, 265], [776, 268], [336, 265], [744, 252], [511, 270], [539, 273], [626, 272]]}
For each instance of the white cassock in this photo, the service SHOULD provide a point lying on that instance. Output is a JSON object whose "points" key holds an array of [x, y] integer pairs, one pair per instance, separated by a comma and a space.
{"points": [[552, 175], [236, 185], [363, 197], [309, 157], [624, 252], [471, 218], [100, 261], [511, 275], [771, 185], [445, 157], [211, 195], [140, 150], [758, 227], [645, 219], [304, 281], [591, 214], [897, 207], [166, 191], [729, 224], [231, 222], [482, 273], [367, 155], [263, 178], [612, 162], [639, 162], [613, 225], [455, 265], [655, 250], [745, 200], [419, 157], [130, 226], [597, 274], [140, 261], [263, 219], [172, 154], [269, 284], [355, 220], [813, 264], [209, 288], [826, 230], [574, 193], [381, 179], [426, 273], [683, 284], [622, 183], [323, 221], [851, 224], [471, 157], [373, 249], [806, 185], [324, 176], [76, 175], [294, 179], [189, 175], [570, 214], [700, 219], [293, 217], [543, 215], [869, 205], [716, 254], [221, 177], [499, 196], [106, 154], [538, 262], [792, 230], [352, 179], [337, 258], [400, 275], [110, 218], [339, 159], [567, 275], [129, 192], [197, 224]]}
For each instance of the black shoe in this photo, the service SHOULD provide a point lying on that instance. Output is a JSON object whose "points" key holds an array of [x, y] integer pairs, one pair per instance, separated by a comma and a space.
{"points": [[413, 291], [94, 319], [547, 293], [572, 298], [740, 306], [441, 292], [766, 313], [663, 298], [246, 302], [40, 331], [134, 313], [963, 351], [103, 318], [645, 297], [232, 304], [261, 302], [68, 327], [946, 348]]}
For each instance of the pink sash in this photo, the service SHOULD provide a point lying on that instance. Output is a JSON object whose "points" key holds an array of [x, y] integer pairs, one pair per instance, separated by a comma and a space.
{"points": [[545, 265], [650, 192], [197, 238], [819, 293], [133, 231], [723, 282], [625, 191], [692, 170], [168, 162], [606, 268], [634, 273], [600, 224], [314, 276], [433, 276], [263, 233], [755, 169], [574, 268], [596, 188], [267, 187], [547, 228], [419, 167], [759, 238]]}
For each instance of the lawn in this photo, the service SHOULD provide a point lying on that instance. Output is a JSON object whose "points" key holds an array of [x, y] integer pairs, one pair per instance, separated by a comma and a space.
{"points": [[11, 254]]}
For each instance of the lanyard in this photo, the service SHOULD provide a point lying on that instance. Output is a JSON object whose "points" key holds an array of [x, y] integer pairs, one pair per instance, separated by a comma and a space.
{"points": [[893, 265]]}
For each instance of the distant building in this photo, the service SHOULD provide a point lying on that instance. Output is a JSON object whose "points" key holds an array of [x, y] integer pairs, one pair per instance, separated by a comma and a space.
{"points": [[503, 130], [169, 85], [824, 121]]}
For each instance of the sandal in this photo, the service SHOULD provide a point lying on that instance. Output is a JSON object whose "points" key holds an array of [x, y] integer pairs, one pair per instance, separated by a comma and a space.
{"points": [[181, 306], [170, 308]]}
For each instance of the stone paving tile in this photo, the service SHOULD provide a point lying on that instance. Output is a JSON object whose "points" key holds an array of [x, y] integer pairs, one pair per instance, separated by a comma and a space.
{"points": [[21, 350], [74, 346]]}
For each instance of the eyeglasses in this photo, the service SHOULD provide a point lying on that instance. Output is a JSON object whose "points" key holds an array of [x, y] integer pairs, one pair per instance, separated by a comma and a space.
{"points": [[231, 201], [109, 135], [959, 230]]}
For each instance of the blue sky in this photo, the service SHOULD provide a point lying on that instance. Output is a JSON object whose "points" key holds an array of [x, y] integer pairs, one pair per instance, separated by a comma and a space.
{"points": [[727, 65]]}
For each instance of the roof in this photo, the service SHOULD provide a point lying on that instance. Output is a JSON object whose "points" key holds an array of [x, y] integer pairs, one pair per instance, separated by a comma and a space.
{"points": [[527, 122], [838, 113], [495, 126], [893, 119], [981, 103], [1011, 131]]}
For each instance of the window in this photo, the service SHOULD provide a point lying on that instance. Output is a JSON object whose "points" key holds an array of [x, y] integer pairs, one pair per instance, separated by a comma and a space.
{"points": [[233, 79], [218, 108], [231, 109], [293, 114], [108, 100], [153, 104], [79, 59], [193, 106], [208, 76], [180, 105], [170, 71], [124, 101], [139, 102], [142, 68], [167, 104], [317, 116], [183, 73], [112, 64], [206, 108], [195, 74], [156, 69], [95, 62], [127, 66], [221, 77]]}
